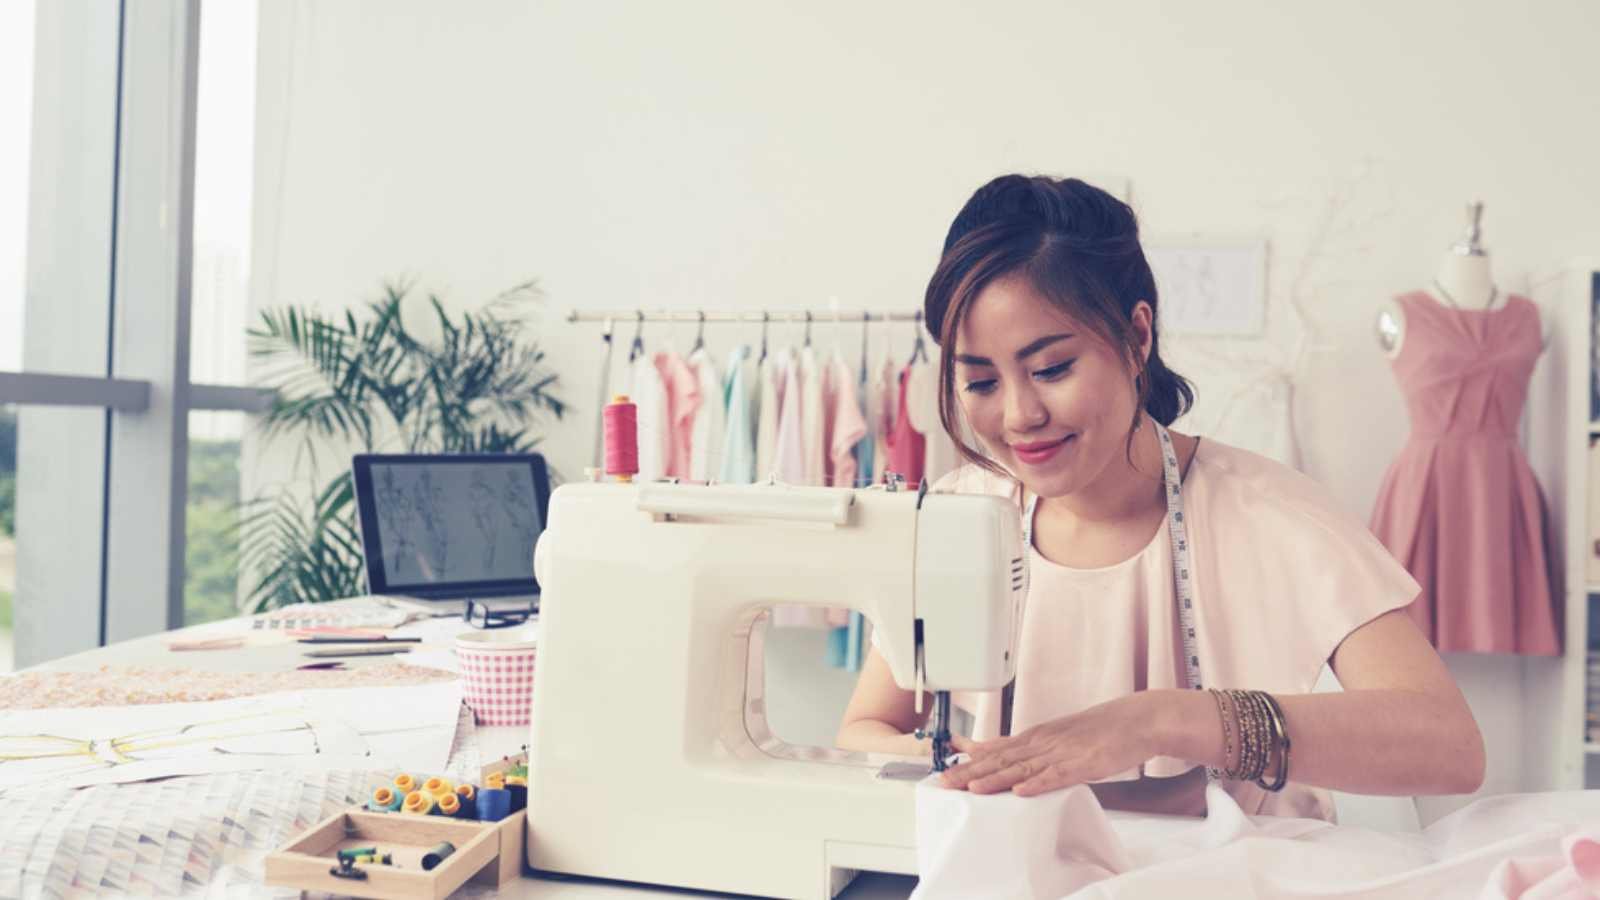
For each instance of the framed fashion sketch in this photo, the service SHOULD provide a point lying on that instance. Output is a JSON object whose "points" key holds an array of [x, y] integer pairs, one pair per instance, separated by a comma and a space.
{"points": [[1210, 286]]}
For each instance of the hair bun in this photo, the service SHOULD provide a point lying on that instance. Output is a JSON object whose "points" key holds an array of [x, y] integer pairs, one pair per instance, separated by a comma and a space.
{"points": [[1067, 208]]}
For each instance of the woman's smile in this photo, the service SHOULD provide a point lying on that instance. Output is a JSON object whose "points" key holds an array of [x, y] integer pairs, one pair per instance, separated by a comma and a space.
{"points": [[1039, 452]]}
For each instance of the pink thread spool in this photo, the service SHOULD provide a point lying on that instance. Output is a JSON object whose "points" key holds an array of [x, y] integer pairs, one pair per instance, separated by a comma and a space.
{"points": [[622, 438]]}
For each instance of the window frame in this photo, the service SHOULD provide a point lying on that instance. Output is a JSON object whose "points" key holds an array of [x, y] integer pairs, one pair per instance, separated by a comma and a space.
{"points": [[110, 252]]}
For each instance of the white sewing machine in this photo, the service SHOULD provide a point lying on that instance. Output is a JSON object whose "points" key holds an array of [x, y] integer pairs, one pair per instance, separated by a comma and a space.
{"points": [[650, 757]]}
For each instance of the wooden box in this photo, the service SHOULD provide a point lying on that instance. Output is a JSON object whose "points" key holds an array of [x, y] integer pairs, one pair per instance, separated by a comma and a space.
{"points": [[491, 851]]}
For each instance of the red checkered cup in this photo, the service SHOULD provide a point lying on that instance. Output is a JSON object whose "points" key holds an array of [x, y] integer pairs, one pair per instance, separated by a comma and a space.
{"points": [[497, 673]]}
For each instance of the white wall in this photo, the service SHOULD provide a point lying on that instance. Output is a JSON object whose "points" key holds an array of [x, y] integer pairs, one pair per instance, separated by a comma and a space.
{"points": [[747, 156]]}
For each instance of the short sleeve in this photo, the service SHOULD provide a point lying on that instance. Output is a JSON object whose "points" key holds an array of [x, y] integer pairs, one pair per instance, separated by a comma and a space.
{"points": [[1283, 574]]}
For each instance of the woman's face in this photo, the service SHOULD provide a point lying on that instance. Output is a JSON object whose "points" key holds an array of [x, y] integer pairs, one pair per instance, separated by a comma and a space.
{"points": [[1049, 399]]}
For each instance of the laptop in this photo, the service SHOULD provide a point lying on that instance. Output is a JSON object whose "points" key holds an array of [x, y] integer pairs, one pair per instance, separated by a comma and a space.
{"points": [[442, 529]]}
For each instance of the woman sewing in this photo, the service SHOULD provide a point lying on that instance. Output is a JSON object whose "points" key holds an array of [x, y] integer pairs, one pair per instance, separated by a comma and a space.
{"points": [[1046, 310]]}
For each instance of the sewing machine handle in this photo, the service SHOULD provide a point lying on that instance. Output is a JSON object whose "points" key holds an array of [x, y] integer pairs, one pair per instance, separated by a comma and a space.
{"points": [[747, 502]]}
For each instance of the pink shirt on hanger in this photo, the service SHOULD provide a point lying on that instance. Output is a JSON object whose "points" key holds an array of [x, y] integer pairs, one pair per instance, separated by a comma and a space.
{"points": [[845, 426], [683, 401], [907, 448]]}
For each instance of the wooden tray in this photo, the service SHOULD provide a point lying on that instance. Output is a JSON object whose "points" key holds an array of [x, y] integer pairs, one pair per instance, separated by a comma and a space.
{"points": [[492, 851]]}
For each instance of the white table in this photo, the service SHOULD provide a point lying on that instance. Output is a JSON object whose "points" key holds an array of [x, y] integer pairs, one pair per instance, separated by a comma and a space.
{"points": [[152, 652]]}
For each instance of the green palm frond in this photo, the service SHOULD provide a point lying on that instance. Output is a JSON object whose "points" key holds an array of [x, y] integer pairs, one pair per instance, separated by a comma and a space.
{"points": [[482, 387]]}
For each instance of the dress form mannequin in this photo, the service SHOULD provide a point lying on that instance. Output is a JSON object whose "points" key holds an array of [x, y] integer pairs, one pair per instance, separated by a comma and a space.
{"points": [[1463, 280]]}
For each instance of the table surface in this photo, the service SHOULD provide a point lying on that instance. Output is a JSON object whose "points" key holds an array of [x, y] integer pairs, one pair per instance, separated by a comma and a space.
{"points": [[151, 651]]}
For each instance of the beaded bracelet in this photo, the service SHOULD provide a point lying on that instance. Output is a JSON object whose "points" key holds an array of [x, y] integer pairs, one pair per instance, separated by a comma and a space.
{"points": [[1263, 737]]}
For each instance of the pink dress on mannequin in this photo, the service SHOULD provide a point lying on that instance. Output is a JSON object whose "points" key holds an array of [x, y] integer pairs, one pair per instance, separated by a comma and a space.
{"points": [[1460, 507]]}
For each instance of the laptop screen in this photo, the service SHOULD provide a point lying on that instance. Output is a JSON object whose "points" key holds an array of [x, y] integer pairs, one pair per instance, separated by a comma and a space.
{"points": [[451, 526]]}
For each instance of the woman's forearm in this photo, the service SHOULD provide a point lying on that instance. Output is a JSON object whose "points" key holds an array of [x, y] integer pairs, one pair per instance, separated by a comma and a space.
{"points": [[1365, 741], [874, 736]]}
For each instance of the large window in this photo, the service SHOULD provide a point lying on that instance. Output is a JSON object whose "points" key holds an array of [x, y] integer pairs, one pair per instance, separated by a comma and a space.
{"points": [[223, 173], [16, 110], [98, 313]]}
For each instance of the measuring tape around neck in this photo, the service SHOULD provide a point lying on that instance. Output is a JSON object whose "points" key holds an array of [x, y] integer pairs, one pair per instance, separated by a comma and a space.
{"points": [[1182, 571]]}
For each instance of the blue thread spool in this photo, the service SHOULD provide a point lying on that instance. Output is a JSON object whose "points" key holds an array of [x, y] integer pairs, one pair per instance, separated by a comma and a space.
{"points": [[469, 800], [519, 795], [494, 804]]}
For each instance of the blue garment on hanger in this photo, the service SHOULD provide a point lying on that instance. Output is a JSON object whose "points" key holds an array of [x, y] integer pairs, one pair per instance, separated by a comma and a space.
{"points": [[739, 436]]}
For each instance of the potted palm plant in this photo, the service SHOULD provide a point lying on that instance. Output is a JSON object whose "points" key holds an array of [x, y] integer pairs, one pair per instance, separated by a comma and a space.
{"points": [[369, 382]]}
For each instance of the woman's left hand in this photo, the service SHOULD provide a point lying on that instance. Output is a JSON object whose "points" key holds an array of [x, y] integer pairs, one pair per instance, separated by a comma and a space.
{"points": [[1078, 749]]}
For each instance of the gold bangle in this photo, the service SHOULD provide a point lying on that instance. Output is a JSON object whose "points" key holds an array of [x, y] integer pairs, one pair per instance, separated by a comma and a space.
{"points": [[1227, 739], [1280, 725]]}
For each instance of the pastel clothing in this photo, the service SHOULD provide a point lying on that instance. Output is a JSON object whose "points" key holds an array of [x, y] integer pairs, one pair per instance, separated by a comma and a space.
{"points": [[650, 396], [813, 420], [907, 447], [683, 402], [939, 455], [739, 399], [844, 425], [789, 463], [769, 394], [708, 431], [1460, 507], [1281, 576]]}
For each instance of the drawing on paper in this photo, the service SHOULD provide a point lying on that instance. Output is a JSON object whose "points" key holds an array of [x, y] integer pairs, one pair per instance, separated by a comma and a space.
{"points": [[1210, 287], [341, 727]]}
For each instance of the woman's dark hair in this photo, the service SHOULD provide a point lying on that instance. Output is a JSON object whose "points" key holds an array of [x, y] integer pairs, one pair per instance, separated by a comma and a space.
{"points": [[1079, 247]]}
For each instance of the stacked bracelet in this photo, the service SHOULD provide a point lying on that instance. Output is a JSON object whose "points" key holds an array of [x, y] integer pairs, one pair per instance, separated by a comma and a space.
{"points": [[1263, 737]]}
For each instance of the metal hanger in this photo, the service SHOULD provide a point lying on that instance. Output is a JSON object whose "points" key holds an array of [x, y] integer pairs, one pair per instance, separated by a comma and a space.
{"points": [[808, 329], [766, 318], [919, 350], [637, 349], [700, 335]]}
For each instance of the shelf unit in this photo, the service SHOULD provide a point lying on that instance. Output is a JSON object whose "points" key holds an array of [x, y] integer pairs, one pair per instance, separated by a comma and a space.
{"points": [[1558, 754]]}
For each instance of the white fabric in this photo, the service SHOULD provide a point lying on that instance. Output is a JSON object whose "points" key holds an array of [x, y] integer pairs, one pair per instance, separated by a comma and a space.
{"points": [[769, 398], [922, 408], [1062, 844], [710, 423], [649, 394]]}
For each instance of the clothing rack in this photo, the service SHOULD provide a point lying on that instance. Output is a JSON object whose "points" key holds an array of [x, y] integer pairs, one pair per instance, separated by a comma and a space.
{"points": [[756, 318]]}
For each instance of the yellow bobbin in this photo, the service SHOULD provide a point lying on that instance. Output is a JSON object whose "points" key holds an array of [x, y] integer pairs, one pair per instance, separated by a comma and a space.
{"points": [[405, 784], [495, 780], [466, 791], [449, 805], [438, 787], [419, 803], [517, 779]]}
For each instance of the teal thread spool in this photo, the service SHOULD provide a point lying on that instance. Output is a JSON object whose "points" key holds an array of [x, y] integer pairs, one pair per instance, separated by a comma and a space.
{"points": [[385, 799]]}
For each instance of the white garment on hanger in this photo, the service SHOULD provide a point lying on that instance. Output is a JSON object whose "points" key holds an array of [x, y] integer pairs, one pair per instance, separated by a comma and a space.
{"points": [[650, 396], [705, 442], [789, 461], [922, 408], [769, 402]]}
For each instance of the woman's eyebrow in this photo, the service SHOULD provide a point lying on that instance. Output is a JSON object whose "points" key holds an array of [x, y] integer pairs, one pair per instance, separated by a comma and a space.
{"points": [[1024, 353]]}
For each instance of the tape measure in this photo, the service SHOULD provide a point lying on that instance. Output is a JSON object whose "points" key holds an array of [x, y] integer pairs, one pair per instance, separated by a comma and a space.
{"points": [[1182, 571]]}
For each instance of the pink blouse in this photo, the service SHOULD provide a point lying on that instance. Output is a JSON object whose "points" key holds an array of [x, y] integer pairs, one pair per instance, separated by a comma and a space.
{"points": [[1282, 576]]}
